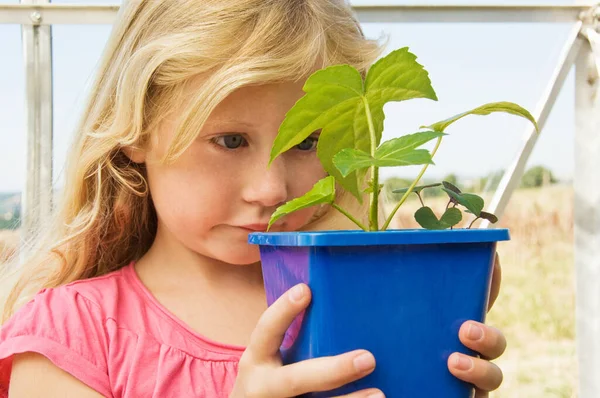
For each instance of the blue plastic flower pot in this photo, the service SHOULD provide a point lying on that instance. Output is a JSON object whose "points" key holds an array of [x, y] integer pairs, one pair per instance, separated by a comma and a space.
{"points": [[400, 294]]}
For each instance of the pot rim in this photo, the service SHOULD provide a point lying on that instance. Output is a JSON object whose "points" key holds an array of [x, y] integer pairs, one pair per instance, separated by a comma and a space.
{"points": [[389, 237]]}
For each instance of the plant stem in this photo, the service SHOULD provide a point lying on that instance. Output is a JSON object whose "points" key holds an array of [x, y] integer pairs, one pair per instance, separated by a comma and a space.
{"points": [[374, 202], [413, 185], [421, 199], [374, 213], [472, 222], [344, 212]]}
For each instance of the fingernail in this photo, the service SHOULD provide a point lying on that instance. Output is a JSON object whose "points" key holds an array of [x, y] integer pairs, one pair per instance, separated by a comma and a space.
{"points": [[364, 362], [297, 293], [463, 363], [475, 332], [376, 395]]}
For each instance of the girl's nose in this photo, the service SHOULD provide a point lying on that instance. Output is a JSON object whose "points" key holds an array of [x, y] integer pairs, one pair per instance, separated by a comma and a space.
{"points": [[268, 185]]}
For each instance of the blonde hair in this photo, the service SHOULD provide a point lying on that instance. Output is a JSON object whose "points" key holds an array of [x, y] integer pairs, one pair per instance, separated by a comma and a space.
{"points": [[106, 218]]}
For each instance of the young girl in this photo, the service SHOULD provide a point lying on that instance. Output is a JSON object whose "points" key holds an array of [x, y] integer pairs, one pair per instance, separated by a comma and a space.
{"points": [[144, 285]]}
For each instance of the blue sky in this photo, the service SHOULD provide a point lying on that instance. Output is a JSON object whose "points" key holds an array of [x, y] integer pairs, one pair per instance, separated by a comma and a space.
{"points": [[469, 64]]}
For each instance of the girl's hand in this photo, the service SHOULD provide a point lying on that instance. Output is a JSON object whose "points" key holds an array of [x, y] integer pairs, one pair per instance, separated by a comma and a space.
{"points": [[487, 341], [261, 373], [490, 343]]}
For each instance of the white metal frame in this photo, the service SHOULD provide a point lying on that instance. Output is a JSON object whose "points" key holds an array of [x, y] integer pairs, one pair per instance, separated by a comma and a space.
{"points": [[582, 48], [51, 14], [513, 174], [37, 53]]}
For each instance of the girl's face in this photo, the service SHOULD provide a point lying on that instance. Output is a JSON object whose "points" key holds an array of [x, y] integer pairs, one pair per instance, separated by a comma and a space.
{"points": [[220, 189]]}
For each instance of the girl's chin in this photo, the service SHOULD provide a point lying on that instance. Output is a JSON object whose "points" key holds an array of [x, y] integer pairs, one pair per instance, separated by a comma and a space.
{"points": [[244, 256]]}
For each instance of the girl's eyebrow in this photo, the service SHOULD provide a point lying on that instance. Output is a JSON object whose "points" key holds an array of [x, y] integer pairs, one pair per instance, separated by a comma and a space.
{"points": [[229, 121]]}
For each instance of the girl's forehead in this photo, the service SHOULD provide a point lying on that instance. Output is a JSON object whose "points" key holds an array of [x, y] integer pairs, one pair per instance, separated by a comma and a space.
{"points": [[272, 96]]}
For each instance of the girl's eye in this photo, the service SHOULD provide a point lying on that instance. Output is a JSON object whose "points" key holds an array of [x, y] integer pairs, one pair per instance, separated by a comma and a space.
{"points": [[233, 141], [308, 144]]}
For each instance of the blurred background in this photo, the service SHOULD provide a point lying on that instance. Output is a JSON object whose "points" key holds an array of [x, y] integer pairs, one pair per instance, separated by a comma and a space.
{"points": [[469, 64]]}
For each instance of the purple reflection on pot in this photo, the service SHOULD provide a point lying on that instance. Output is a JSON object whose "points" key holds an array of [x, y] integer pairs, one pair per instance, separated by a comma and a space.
{"points": [[285, 267]]}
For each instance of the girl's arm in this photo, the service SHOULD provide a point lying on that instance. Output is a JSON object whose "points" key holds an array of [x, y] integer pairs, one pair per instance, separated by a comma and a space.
{"points": [[35, 376]]}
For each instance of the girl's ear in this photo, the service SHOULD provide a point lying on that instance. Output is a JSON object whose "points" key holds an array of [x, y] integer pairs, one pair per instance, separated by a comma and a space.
{"points": [[136, 155]]}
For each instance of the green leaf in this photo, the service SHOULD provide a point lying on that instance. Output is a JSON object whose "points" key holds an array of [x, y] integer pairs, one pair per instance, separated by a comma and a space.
{"points": [[417, 189], [506, 107], [451, 186], [406, 143], [451, 217], [428, 220], [472, 202], [396, 152], [409, 158], [332, 140], [331, 93], [398, 77], [335, 102], [349, 160], [322, 192], [488, 216], [361, 125]]}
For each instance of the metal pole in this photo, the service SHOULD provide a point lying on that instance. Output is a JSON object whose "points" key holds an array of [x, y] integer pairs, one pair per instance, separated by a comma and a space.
{"points": [[586, 187], [55, 14], [483, 13], [373, 12], [594, 39], [512, 176], [37, 51]]}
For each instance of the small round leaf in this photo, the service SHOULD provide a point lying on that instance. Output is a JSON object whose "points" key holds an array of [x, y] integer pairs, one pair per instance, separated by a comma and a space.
{"points": [[488, 216], [451, 217], [471, 201], [427, 219], [451, 187]]}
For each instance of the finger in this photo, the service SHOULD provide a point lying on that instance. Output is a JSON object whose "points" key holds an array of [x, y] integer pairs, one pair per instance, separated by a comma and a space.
{"points": [[319, 374], [370, 393], [496, 280], [272, 325], [486, 340], [483, 374]]}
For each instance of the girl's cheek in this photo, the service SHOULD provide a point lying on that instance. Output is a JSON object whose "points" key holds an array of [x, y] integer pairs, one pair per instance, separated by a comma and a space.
{"points": [[299, 219], [306, 168]]}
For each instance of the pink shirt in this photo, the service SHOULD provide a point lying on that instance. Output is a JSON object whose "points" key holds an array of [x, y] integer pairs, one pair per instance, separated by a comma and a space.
{"points": [[113, 335]]}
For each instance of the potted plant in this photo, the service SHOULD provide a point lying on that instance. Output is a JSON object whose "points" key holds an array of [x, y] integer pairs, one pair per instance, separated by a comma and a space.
{"points": [[373, 286]]}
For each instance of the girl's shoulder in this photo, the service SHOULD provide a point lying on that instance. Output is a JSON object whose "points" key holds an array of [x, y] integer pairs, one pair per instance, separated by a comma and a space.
{"points": [[108, 309], [66, 324], [63, 307], [94, 307], [111, 296], [113, 335]]}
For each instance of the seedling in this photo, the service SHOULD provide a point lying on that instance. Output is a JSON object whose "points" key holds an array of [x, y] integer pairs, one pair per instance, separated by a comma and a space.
{"points": [[452, 215], [349, 112]]}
